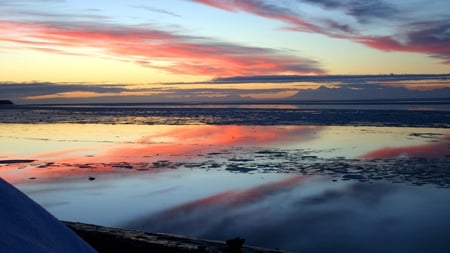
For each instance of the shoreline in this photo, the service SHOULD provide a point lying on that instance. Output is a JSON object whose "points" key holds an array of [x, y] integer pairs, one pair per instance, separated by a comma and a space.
{"points": [[107, 239]]}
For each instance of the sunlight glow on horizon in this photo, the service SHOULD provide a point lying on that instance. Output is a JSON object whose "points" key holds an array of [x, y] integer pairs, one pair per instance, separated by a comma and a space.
{"points": [[195, 41]]}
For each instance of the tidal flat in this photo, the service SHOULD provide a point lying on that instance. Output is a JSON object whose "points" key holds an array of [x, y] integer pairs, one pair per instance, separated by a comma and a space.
{"points": [[302, 188]]}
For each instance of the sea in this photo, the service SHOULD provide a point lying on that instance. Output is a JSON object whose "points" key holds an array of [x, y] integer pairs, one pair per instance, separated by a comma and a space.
{"points": [[311, 176]]}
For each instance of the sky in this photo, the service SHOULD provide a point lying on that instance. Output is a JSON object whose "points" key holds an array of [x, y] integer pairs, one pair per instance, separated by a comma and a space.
{"points": [[176, 50]]}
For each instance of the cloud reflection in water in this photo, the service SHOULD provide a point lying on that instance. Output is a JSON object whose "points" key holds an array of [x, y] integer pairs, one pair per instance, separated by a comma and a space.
{"points": [[429, 151], [312, 215], [152, 151], [289, 191]]}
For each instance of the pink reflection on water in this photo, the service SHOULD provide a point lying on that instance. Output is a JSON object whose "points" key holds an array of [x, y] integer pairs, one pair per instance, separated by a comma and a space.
{"points": [[234, 134], [59, 153], [203, 138], [233, 198], [426, 151], [205, 210], [174, 144]]}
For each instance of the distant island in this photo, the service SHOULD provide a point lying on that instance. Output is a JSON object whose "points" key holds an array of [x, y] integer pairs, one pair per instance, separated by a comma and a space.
{"points": [[6, 102]]}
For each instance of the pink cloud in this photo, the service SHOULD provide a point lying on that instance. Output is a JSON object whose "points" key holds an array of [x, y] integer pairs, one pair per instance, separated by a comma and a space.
{"points": [[183, 54], [428, 38], [264, 10]]}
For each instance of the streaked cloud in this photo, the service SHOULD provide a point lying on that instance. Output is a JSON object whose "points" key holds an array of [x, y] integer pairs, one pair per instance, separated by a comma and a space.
{"points": [[329, 78], [289, 88], [431, 37], [155, 10], [264, 9], [170, 51], [363, 11], [387, 26], [17, 90]]}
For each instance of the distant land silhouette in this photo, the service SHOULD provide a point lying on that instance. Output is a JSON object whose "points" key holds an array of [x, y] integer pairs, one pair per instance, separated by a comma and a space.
{"points": [[6, 102]]}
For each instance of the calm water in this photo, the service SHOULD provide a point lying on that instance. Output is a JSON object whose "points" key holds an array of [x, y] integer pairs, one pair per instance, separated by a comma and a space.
{"points": [[359, 186]]}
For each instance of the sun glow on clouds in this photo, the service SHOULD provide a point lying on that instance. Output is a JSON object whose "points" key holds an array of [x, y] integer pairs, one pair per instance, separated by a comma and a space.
{"points": [[422, 85], [191, 42], [180, 54]]}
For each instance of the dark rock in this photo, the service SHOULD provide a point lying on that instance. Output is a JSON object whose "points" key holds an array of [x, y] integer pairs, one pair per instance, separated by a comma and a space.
{"points": [[85, 166], [309, 157], [161, 164], [235, 245], [91, 178], [240, 159], [238, 168], [16, 161], [6, 102], [214, 153], [123, 165]]}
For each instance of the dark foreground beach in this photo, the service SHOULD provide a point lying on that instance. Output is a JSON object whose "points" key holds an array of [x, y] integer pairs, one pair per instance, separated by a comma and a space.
{"points": [[106, 239]]}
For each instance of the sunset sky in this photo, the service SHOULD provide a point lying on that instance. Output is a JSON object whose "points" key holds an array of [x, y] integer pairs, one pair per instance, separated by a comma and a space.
{"points": [[135, 50]]}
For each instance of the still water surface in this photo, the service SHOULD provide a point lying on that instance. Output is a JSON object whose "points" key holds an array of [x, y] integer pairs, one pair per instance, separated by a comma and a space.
{"points": [[299, 188]]}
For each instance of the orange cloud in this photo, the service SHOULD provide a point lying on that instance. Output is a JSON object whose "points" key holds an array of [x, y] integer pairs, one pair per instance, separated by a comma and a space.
{"points": [[181, 54], [91, 94], [420, 85]]}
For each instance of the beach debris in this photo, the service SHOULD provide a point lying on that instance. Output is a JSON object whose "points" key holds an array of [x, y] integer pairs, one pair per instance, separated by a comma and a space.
{"points": [[86, 166], [235, 245], [91, 178]]}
